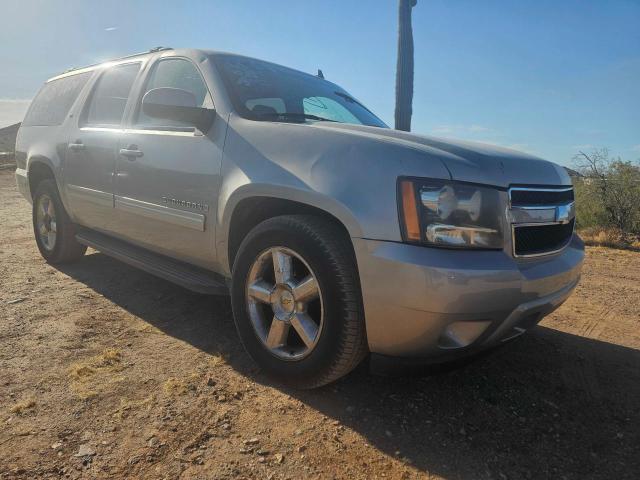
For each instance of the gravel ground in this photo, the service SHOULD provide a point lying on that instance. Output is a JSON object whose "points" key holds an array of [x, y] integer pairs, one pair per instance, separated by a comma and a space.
{"points": [[107, 372]]}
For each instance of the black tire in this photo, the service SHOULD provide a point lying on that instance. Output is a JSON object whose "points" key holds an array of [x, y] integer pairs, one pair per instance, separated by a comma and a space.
{"points": [[65, 248], [328, 251]]}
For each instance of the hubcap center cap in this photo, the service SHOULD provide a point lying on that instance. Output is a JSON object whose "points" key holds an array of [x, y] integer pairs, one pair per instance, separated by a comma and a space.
{"points": [[283, 302]]}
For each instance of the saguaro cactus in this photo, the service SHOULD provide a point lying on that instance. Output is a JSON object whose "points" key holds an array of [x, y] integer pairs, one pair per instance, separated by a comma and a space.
{"points": [[404, 68]]}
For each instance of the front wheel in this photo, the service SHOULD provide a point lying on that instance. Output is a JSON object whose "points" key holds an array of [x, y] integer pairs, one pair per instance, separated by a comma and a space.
{"points": [[296, 300], [53, 229]]}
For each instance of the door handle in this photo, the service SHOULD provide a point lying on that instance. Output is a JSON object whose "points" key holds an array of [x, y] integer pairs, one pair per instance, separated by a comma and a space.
{"points": [[77, 145], [131, 152]]}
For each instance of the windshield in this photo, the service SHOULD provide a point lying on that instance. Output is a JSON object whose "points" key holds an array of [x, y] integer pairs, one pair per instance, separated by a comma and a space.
{"points": [[268, 92]]}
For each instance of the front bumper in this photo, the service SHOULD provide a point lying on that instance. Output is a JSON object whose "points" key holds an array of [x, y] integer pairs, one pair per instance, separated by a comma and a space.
{"points": [[440, 304]]}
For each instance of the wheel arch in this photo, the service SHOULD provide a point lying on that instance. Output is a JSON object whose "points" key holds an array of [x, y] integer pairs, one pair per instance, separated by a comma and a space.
{"points": [[39, 169], [246, 211]]}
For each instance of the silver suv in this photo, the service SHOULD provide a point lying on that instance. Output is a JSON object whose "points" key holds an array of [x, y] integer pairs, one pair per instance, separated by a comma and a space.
{"points": [[335, 235]]}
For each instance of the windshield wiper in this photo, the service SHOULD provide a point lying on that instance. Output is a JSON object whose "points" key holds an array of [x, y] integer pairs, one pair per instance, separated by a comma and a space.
{"points": [[293, 116]]}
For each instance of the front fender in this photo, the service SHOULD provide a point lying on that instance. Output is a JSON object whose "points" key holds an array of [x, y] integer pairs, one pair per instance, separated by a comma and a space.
{"points": [[352, 177], [244, 190]]}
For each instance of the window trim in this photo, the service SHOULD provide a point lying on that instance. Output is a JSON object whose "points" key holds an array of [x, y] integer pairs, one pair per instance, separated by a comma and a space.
{"points": [[132, 124], [83, 117]]}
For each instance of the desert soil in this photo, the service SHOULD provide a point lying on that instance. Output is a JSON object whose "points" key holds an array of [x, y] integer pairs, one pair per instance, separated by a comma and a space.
{"points": [[108, 372]]}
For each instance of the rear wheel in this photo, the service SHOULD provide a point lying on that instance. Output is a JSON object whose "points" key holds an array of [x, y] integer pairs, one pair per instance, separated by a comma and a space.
{"points": [[53, 229], [296, 300]]}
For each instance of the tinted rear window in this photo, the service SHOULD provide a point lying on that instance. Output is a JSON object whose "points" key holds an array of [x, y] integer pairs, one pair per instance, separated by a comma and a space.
{"points": [[110, 95], [51, 105]]}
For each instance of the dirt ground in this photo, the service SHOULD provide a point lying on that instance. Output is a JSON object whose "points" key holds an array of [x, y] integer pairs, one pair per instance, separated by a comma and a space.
{"points": [[108, 372]]}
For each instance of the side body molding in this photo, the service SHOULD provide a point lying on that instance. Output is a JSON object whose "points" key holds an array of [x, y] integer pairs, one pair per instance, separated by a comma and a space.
{"points": [[192, 220], [174, 216], [84, 194]]}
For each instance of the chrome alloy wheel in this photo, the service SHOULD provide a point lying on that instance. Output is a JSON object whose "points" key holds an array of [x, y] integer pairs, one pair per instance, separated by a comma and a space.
{"points": [[284, 303], [46, 222]]}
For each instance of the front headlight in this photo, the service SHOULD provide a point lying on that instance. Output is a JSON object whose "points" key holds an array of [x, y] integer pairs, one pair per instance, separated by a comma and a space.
{"points": [[450, 214]]}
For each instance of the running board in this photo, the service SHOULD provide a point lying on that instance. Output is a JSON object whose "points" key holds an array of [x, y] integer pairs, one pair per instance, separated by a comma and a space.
{"points": [[188, 276]]}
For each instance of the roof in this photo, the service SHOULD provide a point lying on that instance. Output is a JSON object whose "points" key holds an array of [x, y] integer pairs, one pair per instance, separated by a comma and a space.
{"points": [[77, 70], [189, 51]]}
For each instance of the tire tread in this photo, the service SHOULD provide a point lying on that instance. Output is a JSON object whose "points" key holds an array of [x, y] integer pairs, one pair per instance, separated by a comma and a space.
{"points": [[335, 246], [67, 247]]}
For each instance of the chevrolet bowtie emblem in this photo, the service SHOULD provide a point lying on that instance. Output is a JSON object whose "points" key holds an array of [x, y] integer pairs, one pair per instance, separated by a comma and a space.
{"points": [[565, 213]]}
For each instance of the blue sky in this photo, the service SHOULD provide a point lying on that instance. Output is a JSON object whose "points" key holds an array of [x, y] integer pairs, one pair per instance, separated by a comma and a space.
{"points": [[547, 77]]}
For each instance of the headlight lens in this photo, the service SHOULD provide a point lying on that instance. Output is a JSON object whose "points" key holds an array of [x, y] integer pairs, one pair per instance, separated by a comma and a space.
{"points": [[451, 214]]}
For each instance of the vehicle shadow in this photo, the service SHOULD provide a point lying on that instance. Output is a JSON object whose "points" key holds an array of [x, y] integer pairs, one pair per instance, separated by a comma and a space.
{"points": [[550, 405]]}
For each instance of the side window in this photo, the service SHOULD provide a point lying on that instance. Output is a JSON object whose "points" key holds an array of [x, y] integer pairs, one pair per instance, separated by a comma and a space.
{"points": [[110, 95], [174, 73], [54, 100], [326, 108]]}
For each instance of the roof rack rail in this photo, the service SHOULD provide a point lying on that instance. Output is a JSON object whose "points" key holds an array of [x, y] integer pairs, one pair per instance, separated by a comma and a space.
{"points": [[151, 50]]}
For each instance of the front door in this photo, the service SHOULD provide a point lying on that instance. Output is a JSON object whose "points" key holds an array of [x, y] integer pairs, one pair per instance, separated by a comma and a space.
{"points": [[168, 173], [91, 156]]}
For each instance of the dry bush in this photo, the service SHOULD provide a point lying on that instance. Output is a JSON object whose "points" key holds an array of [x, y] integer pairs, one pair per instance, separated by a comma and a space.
{"points": [[21, 407], [93, 374], [107, 360], [180, 386], [129, 405], [609, 237]]}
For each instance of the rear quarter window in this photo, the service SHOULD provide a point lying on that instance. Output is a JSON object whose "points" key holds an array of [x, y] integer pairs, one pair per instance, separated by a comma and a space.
{"points": [[54, 100]]}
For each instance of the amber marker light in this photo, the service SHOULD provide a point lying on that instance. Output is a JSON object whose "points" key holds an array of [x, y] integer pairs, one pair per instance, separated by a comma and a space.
{"points": [[410, 211]]}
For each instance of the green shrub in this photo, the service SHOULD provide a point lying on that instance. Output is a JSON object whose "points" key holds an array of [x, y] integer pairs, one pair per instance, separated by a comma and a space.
{"points": [[589, 209], [608, 194]]}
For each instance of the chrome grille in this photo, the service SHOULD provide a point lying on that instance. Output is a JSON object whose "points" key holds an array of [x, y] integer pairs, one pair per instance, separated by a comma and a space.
{"points": [[542, 219]]}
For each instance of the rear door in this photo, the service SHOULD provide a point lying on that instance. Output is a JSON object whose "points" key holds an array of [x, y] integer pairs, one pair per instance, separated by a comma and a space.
{"points": [[168, 173], [91, 158]]}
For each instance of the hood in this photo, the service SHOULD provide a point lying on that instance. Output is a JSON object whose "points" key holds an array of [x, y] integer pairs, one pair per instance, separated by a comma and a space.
{"points": [[469, 161]]}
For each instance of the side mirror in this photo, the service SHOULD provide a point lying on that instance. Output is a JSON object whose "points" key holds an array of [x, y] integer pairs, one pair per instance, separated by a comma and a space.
{"points": [[178, 105]]}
